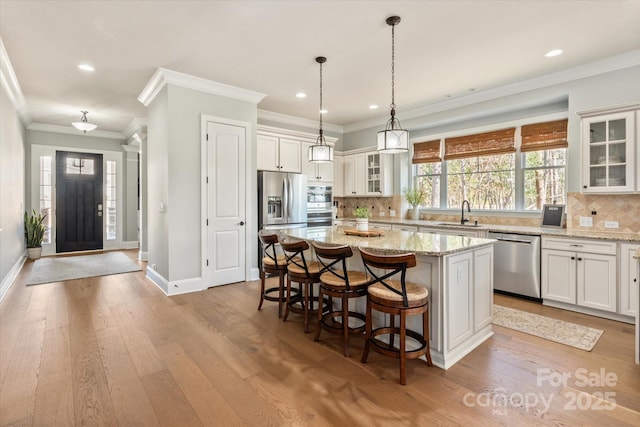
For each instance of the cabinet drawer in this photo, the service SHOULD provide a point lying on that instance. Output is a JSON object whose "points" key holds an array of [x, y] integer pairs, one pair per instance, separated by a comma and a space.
{"points": [[579, 245]]}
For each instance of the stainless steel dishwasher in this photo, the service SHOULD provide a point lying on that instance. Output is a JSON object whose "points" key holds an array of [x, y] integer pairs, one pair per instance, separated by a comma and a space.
{"points": [[516, 265]]}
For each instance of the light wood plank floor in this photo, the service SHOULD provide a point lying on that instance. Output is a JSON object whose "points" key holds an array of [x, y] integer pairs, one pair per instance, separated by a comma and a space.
{"points": [[115, 351]]}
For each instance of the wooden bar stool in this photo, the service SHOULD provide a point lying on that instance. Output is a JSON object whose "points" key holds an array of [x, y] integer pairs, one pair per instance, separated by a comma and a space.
{"points": [[272, 264], [396, 298], [338, 282], [304, 272]]}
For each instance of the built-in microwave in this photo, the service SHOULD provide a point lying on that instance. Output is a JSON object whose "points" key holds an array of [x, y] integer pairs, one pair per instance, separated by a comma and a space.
{"points": [[319, 205]]}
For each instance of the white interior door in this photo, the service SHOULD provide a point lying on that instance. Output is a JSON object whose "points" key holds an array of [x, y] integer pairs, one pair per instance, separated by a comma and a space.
{"points": [[226, 206]]}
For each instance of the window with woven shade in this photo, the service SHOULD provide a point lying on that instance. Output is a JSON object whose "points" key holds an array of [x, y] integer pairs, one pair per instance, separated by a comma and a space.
{"points": [[544, 136], [480, 144], [426, 152]]}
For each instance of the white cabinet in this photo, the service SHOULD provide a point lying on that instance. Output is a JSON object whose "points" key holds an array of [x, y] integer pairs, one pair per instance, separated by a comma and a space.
{"points": [[580, 272], [338, 176], [278, 154], [368, 174], [609, 153], [629, 280], [468, 295], [354, 184], [315, 172], [378, 226]]}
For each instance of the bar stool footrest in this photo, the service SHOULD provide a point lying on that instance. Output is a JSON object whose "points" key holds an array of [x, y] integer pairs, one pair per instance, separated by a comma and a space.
{"points": [[276, 290], [329, 323], [385, 348]]}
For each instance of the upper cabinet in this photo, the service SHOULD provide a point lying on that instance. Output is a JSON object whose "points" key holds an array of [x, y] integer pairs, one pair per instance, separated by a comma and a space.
{"points": [[278, 154], [284, 150], [320, 172], [609, 153], [368, 174]]}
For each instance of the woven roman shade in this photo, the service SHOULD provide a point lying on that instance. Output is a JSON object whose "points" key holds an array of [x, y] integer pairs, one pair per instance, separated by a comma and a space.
{"points": [[544, 136], [481, 144], [426, 152]]}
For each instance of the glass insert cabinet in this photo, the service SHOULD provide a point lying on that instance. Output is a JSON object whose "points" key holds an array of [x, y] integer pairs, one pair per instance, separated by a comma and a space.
{"points": [[608, 153]]}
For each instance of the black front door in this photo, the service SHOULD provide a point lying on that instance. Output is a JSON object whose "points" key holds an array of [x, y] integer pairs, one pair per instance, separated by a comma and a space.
{"points": [[79, 201]]}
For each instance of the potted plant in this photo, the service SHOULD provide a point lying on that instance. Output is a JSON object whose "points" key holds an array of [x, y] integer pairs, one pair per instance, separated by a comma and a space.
{"points": [[34, 233], [415, 197], [362, 218]]}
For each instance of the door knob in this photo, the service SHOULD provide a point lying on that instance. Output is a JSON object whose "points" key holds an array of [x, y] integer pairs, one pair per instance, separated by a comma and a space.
{"points": [[241, 223]]}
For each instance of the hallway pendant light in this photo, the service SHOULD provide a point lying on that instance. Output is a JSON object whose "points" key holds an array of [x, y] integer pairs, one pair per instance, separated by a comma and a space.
{"points": [[83, 124], [393, 139], [320, 152]]}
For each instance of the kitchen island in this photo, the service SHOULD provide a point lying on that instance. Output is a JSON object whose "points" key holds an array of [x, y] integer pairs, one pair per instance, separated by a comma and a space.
{"points": [[457, 270]]}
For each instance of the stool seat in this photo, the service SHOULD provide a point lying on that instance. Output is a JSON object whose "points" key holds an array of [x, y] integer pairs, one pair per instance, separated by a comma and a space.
{"points": [[416, 295], [313, 268], [282, 262], [356, 279]]}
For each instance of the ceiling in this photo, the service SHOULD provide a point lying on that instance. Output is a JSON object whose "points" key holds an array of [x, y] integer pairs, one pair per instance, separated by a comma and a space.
{"points": [[444, 50]]}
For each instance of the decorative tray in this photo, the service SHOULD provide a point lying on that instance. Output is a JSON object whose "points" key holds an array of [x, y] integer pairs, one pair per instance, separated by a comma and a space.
{"points": [[370, 233]]}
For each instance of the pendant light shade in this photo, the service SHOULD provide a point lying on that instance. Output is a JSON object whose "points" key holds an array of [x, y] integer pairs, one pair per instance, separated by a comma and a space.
{"points": [[393, 139], [320, 152], [84, 124]]}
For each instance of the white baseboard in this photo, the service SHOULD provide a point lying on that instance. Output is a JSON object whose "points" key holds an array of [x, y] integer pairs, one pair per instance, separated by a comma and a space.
{"points": [[175, 287], [142, 255], [10, 278], [590, 311], [158, 280], [254, 274], [129, 245]]}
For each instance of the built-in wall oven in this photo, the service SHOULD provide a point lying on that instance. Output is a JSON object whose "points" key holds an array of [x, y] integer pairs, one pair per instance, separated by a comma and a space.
{"points": [[319, 205]]}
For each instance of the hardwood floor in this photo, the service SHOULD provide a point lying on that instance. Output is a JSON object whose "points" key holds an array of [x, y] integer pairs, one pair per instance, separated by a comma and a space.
{"points": [[115, 351]]}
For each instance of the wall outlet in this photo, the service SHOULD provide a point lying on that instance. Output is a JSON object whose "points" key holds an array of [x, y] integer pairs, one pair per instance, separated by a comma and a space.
{"points": [[381, 213], [611, 224], [586, 221], [392, 213]]}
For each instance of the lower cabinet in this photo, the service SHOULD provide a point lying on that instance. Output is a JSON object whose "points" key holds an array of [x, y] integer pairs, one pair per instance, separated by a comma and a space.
{"points": [[468, 297], [580, 272], [452, 231], [629, 280], [404, 227], [377, 226]]}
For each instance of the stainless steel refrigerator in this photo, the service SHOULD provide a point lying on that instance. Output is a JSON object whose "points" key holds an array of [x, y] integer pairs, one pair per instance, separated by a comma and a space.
{"points": [[282, 200]]}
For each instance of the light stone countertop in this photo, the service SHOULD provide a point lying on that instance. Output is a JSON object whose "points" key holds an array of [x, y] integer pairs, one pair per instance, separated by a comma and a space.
{"points": [[393, 241], [601, 235]]}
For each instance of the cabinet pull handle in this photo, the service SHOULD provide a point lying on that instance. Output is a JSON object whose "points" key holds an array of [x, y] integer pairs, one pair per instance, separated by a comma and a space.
{"points": [[576, 246]]}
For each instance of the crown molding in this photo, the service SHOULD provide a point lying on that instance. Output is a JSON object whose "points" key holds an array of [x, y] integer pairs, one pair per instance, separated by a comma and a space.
{"points": [[42, 127], [614, 63], [162, 77], [9, 82], [297, 121], [134, 126], [276, 131], [610, 109]]}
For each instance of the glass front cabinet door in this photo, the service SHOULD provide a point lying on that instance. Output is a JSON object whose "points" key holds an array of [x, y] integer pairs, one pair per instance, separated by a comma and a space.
{"points": [[608, 153]]}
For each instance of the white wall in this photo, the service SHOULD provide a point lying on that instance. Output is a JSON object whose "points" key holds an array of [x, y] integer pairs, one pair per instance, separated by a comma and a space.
{"points": [[612, 88], [174, 150], [12, 191]]}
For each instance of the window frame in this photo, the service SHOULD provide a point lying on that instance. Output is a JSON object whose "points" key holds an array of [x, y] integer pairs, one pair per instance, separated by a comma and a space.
{"points": [[519, 159]]}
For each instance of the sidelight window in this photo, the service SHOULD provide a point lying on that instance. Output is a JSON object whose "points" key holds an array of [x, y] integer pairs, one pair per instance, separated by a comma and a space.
{"points": [[110, 199], [45, 195]]}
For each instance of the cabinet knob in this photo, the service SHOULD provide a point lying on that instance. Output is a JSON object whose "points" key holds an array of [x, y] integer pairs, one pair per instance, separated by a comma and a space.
{"points": [[573, 257], [579, 259], [584, 186]]}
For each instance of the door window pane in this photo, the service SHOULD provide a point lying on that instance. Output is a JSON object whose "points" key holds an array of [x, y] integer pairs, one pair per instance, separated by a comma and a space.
{"points": [[45, 195], [110, 196]]}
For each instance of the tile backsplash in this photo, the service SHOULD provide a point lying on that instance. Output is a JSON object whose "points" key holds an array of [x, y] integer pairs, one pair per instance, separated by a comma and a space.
{"points": [[621, 208]]}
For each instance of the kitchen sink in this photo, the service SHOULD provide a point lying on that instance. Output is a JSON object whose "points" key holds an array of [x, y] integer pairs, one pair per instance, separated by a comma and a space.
{"points": [[457, 224]]}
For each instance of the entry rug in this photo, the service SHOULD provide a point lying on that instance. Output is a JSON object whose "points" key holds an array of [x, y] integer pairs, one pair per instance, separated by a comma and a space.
{"points": [[559, 331], [57, 269]]}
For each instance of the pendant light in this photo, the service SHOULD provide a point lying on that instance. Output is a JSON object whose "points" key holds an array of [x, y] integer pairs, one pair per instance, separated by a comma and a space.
{"points": [[393, 139], [320, 152], [84, 124]]}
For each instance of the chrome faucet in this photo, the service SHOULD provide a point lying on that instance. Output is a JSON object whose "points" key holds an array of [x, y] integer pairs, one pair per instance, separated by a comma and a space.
{"points": [[462, 218]]}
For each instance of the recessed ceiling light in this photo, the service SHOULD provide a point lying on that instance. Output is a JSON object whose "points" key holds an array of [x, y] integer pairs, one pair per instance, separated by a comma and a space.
{"points": [[86, 67], [323, 111], [552, 53], [373, 107], [301, 95]]}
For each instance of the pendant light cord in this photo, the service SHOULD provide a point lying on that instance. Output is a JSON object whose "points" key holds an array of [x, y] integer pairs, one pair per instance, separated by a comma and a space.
{"points": [[393, 68], [321, 137]]}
